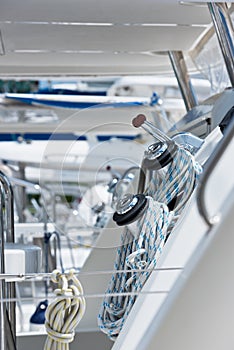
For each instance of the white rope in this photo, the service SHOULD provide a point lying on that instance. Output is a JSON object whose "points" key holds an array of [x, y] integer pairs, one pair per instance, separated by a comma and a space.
{"points": [[65, 312], [143, 248]]}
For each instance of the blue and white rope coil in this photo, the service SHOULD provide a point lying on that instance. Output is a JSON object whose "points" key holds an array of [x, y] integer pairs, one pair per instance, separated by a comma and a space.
{"points": [[142, 249]]}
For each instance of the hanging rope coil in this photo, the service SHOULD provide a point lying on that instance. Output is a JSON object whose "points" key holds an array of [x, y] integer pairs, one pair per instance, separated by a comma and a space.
{"points": [[143, 249], [134, 253], [65, 312]]}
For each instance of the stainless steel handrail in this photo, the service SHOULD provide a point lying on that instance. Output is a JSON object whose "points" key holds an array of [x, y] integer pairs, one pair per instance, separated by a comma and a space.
{"points": [[2, 284], [142, 178], [225, 34], [184, 81], [210, 166], [35, 186], [8, 321]]}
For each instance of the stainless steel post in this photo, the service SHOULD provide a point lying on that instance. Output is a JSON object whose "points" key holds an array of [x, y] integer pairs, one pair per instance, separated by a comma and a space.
{"points": [[2, 282], [224, 31], [142, 179], [8, 228], [21, 194], [182, 76]]}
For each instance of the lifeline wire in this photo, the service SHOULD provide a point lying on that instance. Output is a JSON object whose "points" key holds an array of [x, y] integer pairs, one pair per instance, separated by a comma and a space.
{"points": [[65, 312], [27, 276], [144, 249], [87, 296]]}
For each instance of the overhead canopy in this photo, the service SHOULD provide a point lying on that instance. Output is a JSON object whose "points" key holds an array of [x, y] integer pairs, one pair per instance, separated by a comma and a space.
{"points": [[89, 37]]}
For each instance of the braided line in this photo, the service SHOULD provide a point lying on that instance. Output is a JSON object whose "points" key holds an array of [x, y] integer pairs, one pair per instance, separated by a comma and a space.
{"points": [[141, 253], [65, 312], [142, 249]]}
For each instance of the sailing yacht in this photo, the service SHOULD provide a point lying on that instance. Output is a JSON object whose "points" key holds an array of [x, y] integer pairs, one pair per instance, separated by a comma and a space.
{"points": [[117, 189]]}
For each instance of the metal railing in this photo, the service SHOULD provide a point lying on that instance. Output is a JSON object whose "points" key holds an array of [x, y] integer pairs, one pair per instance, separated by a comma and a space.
{"points": [[210, 166], [225, 34], [7, 311]]}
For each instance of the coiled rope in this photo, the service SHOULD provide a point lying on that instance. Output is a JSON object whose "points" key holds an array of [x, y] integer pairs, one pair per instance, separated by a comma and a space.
{"points": [[65, 312], [143, 249], [178, 181]]}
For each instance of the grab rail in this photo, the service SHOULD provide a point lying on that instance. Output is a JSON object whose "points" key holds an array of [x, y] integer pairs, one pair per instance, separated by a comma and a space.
{"points": [[7, 312], [35, 186], [210, 166], [224, 31]]}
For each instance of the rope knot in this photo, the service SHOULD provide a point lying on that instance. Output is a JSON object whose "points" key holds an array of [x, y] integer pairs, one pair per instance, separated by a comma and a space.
{"points": [[113, 309], [71, 274], [133, 259], [55, 276], [58, 337], [135, 262]]}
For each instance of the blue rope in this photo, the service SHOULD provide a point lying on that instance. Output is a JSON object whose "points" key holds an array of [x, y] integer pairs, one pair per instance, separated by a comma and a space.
{"points": [[142, 248]]}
